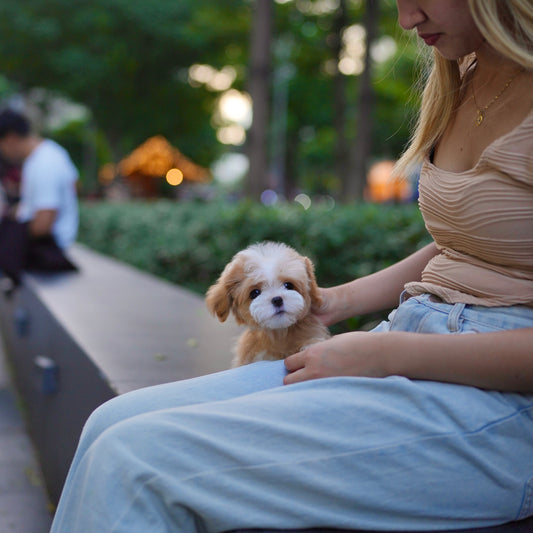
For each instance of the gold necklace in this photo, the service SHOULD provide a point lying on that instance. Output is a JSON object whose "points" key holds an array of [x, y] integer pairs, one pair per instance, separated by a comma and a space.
{"points": [[480, 112]]}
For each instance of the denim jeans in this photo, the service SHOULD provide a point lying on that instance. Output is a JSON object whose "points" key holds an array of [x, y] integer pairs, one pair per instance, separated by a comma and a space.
{"points": [[237, 449]]}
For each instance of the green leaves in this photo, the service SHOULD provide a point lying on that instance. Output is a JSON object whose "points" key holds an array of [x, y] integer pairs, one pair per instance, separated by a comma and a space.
{"points": [[190, 243], [128, 61], [120, 59]]}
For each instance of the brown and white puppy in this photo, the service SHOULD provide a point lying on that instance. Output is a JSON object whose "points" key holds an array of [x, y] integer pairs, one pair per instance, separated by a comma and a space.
{"points": [[270, 288]]}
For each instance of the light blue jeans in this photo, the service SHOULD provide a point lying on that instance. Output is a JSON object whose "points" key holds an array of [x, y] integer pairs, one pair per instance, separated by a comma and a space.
{"points": [[238, 449]]}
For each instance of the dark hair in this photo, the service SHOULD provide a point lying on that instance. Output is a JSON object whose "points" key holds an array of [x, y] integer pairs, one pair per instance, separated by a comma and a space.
{"points": [[13, 122]]}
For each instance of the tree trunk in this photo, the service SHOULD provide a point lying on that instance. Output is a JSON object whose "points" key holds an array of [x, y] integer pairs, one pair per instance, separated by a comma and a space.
{"points": [[283, 71], [90, 158], [363, 139], [259, 88], [342, 163]]}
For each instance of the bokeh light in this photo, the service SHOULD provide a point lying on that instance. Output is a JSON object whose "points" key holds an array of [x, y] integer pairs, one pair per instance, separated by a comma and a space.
{"points": [[174, 176]]}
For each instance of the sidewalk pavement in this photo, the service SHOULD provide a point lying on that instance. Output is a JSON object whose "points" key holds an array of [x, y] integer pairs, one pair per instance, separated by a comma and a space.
{"points": [[23, 501]]}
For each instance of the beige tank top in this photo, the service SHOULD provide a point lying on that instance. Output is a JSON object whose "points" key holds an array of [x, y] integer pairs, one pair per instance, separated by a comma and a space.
{"points": [[482, 222]]}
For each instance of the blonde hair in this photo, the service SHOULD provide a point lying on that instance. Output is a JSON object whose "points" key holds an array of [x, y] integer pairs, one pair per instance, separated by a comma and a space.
{"points": [[508, 26]]}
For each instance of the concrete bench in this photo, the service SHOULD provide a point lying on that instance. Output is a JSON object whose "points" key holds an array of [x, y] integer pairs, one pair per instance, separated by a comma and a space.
{"points": [[76, 340]]}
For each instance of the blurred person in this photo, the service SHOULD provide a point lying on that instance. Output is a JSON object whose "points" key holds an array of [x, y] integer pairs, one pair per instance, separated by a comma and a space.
{"points": [[10, 183], [48, 200], [42, 220], [424, 423]]}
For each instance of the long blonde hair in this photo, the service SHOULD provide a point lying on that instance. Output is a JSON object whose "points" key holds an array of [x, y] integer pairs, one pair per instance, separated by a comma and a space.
{"points": [[508, 26]]}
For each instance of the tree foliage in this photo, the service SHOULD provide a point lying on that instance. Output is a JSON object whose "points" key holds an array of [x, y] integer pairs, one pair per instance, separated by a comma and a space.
{"points": [[190, 243], [128, 60]]}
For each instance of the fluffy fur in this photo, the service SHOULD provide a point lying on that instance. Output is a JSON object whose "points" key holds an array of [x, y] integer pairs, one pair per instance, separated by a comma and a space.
{"points": [[270, 288]]}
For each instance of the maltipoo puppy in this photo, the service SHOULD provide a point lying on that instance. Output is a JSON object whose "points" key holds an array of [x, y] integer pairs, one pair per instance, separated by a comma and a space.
{"points": [[270, 288]]}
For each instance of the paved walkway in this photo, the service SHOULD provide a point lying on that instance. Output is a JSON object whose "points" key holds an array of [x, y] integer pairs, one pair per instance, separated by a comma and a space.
{"points": [[23, 502]]}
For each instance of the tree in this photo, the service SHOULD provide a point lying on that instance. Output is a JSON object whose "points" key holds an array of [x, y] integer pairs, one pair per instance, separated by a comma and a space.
{"points": [[362, 147], [328, 109], [342, 161], [126, 61], [260, 72]]}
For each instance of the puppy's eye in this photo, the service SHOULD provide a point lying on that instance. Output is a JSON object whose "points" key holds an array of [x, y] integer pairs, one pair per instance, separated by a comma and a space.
{"points": [[254, 294], [289, 286]]}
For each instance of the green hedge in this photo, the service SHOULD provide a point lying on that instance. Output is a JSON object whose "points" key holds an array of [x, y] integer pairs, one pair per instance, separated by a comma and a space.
{"points": [[189, 243]]}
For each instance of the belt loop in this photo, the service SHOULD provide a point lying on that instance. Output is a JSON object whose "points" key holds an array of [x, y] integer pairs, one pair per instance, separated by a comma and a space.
{"points": [[454, 317], [404, 296]]}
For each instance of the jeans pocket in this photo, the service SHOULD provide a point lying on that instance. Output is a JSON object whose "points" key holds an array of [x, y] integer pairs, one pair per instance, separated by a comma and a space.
{"points": [[526, 509]]}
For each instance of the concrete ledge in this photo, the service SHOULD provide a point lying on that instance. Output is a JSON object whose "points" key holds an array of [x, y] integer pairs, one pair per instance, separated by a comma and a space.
{"points": [[76, 340], [23, 503]]}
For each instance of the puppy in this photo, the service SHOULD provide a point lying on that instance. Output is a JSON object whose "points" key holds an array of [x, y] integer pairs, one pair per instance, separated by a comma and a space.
{"points": [[269, 288]]}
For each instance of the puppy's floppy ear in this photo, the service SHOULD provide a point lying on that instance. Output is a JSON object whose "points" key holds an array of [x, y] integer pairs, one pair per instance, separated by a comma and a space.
{"points": [[218, 301], [219, 297], [316, 299]]}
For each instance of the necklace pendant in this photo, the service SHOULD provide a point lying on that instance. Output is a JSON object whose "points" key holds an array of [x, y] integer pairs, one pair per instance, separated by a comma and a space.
{"points": [[479, 118]]}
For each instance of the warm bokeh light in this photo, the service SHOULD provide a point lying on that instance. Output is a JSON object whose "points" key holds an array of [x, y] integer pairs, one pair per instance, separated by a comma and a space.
{"points": [[382, 187], [383, 49], [213, 79], [174, 176], [352, 60], [236, 107], [353, 51], [232, 134], [317, 7], [303, 200]]}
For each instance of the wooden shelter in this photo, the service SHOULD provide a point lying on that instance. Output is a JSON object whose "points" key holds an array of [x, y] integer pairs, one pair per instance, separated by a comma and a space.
{"points": [[150, 165]]}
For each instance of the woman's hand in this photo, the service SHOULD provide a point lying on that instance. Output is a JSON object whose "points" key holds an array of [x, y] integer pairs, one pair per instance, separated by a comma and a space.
{"points": [[326, 312], [337, 304], [349, 354], [499, 360]]}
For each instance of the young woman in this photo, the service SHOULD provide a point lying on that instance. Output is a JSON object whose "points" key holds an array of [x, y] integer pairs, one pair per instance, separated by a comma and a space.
{"points": [[424, 423]]}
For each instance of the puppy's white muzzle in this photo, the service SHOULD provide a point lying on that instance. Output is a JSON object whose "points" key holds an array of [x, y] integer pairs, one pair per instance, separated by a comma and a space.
{"points": [[275, 311]]}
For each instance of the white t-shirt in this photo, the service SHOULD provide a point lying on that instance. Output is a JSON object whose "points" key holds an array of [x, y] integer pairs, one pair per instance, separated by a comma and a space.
{"points": [[49, 182]]}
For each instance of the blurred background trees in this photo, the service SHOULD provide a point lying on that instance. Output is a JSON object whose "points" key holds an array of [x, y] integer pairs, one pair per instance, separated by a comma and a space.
{"points": [[329, 82]]}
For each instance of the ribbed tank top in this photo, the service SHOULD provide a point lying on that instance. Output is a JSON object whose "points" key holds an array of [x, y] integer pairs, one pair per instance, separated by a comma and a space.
{"points": [[482, 222]]}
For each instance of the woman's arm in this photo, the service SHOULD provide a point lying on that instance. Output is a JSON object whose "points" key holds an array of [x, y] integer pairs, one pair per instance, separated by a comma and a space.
{"points": [[500, 360], [374, 292]]}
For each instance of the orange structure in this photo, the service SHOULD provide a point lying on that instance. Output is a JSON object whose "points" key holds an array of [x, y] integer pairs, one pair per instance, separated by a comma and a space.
{"points": [[151, 163], [382, 187]]}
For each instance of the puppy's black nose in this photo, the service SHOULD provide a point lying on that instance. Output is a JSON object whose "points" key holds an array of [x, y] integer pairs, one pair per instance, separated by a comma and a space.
{"points": [[277, 301]]}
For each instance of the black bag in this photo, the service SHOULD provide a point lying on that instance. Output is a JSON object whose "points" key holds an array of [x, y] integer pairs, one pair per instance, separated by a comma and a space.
{"points": [[44, 255], [20, 251], [14, 239]]}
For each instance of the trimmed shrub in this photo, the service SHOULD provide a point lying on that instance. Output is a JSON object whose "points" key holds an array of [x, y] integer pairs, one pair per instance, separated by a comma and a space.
{"points": [[190, 243]]}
